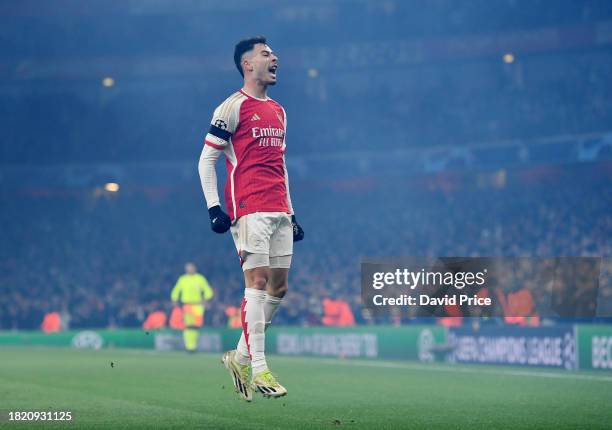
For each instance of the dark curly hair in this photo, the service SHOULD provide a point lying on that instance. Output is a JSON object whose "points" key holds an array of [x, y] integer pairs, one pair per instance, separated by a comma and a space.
{"points": [[245, 46]]}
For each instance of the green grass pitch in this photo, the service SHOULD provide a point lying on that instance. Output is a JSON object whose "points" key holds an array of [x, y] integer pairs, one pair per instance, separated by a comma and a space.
{"points": [[146, 389]]}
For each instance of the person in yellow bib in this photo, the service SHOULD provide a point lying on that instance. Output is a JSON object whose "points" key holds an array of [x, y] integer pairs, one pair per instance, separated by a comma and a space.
{"points": [[191, 292]]}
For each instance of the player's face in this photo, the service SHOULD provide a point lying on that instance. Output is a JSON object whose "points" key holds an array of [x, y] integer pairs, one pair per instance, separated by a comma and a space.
{"points": [[264, 64]]}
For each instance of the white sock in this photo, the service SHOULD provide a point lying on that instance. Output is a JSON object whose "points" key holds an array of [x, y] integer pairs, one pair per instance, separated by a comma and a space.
{"points": [[253, 327], [270, 306]]}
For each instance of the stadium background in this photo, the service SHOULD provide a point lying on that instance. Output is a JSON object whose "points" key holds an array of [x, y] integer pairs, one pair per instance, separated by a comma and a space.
{"points": [[421, 128]]}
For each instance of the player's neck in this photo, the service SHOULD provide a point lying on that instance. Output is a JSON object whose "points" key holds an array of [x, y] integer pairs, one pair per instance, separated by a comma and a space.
{"points": [[256, 90]]}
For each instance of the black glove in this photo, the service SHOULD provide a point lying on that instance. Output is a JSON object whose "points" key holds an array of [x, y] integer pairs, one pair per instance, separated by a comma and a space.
{"points": [[219, 221], [298, 233]]}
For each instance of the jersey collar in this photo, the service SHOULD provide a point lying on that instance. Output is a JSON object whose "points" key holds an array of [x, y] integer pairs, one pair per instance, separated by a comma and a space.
{"points": [[253, 97]]}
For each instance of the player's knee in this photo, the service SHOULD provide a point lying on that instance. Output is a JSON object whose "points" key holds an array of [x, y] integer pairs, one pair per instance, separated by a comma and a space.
{"points": [[280, 289], [259, 282]]}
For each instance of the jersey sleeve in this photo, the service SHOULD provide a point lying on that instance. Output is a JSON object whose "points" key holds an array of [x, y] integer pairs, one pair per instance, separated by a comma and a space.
{"points": [[208, 174], [223, 124], [207, 292]]}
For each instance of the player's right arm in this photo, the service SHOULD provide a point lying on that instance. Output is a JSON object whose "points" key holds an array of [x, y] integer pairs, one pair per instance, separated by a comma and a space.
{"points": [[298, 232], [176, 292], [222, 126]]}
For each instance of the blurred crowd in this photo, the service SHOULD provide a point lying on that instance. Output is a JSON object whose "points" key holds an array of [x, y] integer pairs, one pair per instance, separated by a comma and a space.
{"points": [[416, 107], [334, 109], [107, 260]]}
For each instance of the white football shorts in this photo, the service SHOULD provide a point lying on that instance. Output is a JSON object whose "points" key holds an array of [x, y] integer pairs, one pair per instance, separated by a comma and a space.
{"points": [[264, 239]]}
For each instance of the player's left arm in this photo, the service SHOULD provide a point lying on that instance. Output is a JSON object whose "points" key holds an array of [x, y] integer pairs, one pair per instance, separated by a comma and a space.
{"points": [[207, 291], [298, 232]]}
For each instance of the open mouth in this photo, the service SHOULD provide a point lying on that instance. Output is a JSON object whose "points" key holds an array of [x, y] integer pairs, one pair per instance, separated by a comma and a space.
{"points": [[272, 70]]}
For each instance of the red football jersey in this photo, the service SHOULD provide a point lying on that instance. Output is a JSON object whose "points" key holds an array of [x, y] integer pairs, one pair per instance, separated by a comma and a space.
{"points": [[251, 133]]}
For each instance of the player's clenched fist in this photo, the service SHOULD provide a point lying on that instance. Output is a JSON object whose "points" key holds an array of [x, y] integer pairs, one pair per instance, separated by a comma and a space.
{"points": [[219, 221], [298, 233]]}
